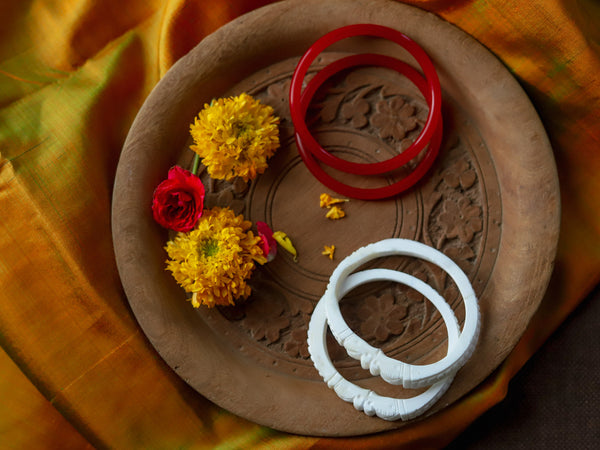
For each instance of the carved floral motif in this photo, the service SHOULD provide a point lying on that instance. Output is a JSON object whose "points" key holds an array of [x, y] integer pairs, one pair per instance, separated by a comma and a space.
{"points": [[452, 206], [356, 112], [460, 218], [460, 174], [265, 320], [276, 95], [382, 316], [394, 118], [297, 344], [224, 193]]}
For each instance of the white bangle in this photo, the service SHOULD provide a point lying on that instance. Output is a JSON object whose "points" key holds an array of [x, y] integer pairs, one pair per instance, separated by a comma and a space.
{"points": [[363, 399], [392, 370]]}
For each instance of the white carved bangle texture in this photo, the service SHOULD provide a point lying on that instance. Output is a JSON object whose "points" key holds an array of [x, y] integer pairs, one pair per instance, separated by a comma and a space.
{"points": [[366, 400], [391, 370]]}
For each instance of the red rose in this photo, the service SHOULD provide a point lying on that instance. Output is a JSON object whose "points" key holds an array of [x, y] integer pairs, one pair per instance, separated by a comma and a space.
{"points": [[178, 201]]}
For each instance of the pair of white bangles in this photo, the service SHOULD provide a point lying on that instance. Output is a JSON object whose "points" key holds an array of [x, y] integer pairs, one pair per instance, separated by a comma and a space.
{"points": [[438, 375]]}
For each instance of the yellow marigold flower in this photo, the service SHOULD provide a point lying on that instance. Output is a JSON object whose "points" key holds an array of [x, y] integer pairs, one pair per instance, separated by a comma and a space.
{"points": [[328, 251], [335, 212], [235, 137], [326, 200], [214, 260]]}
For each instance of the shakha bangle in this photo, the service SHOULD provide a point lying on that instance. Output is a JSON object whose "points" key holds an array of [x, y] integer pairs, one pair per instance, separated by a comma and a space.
{"points": [[391, 370], [387, 190], [366, 400], [433, 87]]}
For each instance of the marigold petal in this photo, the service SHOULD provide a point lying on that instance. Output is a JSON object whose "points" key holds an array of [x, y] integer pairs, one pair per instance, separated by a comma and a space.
{"points": [[335, 213], [285, 242], [328, 251], [326, 200]]}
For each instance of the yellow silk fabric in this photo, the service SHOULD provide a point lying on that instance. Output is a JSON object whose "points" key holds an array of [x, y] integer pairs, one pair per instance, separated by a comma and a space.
{"points": [[75, 369]]}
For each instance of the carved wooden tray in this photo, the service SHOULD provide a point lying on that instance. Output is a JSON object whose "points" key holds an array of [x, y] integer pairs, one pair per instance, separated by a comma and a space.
{"points": [[491, 203]]}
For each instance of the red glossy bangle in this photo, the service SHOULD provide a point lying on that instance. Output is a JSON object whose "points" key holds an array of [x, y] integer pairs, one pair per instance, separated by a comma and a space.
{"points": [[434, 99], [384, 191]]}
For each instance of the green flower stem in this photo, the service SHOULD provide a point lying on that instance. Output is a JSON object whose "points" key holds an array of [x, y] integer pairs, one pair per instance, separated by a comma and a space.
{"points": [[195, 164]]}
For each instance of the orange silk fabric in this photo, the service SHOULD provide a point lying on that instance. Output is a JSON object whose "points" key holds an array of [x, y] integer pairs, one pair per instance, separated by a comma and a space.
{"points": [[76, 370]]}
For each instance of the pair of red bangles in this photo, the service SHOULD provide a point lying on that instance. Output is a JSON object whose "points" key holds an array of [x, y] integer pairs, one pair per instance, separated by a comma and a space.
{"points": [[312, 152]]}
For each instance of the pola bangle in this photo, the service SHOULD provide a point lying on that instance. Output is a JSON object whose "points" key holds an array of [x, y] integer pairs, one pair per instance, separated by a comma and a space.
{"points": [[368, 193], [392, 370], [366, 400], [434, 99]]}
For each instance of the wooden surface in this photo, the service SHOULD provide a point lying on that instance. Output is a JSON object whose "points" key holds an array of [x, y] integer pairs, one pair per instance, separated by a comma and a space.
{"points": [[490, 202]]}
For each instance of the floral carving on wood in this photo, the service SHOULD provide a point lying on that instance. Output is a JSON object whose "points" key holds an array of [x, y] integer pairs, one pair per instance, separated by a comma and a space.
{"points": [[224, 193], [297, 344], [382, 316], [394, 118], [460, 218], [449, 207], [375, 106], [265, 320]]}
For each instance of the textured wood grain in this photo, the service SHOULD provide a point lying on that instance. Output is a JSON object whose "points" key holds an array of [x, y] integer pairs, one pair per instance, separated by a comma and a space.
{"points": [[490, 203]]}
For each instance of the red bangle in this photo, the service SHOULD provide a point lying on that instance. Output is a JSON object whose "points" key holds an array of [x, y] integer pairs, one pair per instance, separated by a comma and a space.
{"points": [[384, 191], [434, 99]]}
